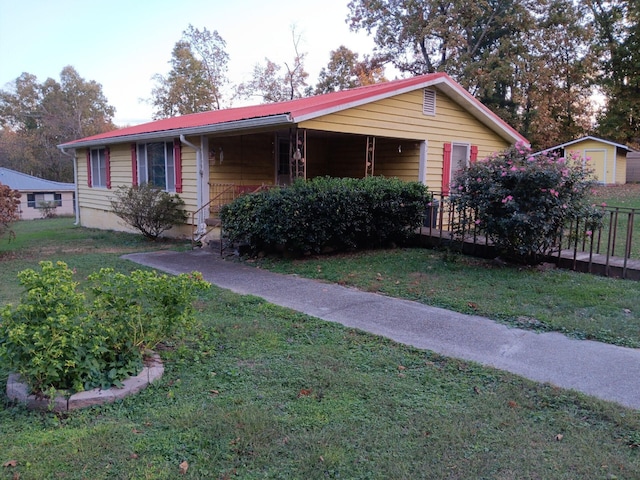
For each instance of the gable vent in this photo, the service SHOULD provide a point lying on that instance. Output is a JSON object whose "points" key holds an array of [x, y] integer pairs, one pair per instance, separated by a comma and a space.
{"points": [[429, 102]]}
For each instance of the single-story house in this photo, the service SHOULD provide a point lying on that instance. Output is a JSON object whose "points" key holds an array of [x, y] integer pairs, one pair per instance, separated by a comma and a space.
{"points": [[418, 129], [607, 159], [39, 195]]}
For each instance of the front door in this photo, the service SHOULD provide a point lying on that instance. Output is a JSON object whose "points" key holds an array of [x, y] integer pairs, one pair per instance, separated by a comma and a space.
{"points": [[599, 165]]}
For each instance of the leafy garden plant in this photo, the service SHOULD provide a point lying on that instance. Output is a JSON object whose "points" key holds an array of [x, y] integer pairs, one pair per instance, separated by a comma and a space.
{"points": [[63, 339], [522, 203], [148, 209], [327, 214]]}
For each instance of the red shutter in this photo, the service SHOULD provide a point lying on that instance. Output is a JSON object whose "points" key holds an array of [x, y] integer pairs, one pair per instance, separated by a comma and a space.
{"points": [[474, 153], [107, 159], [88, 167], [446, 168], [134, 165], [177, 156]]}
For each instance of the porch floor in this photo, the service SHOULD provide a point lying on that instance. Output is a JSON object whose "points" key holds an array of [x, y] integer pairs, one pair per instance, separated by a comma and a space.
{"points": [[599, 264]]}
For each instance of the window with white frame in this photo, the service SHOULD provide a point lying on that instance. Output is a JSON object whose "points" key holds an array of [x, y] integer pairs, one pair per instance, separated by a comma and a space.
{"points": [[98, 167], [44, 199], [156, 165], [460, 153]]}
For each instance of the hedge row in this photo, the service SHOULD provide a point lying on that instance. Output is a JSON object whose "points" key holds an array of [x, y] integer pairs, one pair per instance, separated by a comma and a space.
{"points": [[327, 214]]}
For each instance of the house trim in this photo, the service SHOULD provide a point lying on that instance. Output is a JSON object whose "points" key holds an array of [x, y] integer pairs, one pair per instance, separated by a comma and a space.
{"points": [[239, 125], [583, 139]]}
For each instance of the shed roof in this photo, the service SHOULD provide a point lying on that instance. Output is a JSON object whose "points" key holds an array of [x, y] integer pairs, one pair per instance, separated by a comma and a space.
{"points": [[285, 114], [28, 183], [588, 137]]}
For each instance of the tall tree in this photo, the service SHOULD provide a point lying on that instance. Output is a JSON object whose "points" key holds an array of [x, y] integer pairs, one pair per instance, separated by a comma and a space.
{"points": [[209, 48], [557, 75], [185, 89], [425, 36], [36, 117], [344, 71], [270, 86], [197, 77], [514, 55], [618, 24]]}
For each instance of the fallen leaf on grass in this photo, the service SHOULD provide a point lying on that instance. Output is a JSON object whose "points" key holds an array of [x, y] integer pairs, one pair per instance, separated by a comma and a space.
{"points": [[304, 392], [401, 367], [10, 463], [133, 456], [214, 392], [559, 437], [512, 404], [472, 305], [184, 466], [135, 430]]}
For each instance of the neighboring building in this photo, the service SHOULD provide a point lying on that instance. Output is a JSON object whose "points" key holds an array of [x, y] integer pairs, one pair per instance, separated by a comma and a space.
{"points": [[633, 167], [39, 195], [418, 129], [607, 159]]}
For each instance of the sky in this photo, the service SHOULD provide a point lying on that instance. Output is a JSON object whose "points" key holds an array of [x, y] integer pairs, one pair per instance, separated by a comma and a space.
{"points": [[122, 44]]}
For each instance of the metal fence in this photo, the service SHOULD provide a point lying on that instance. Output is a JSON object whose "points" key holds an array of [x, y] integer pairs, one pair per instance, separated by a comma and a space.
{"points": [[613, 249]]}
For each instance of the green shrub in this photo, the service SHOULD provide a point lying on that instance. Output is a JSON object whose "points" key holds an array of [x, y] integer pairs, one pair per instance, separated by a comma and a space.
{"points": [[327, 213], [148, 209], [521, 202], [58, 338]]}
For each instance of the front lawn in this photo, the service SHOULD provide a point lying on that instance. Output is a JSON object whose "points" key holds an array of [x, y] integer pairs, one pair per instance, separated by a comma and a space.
{"points": [[259, 391]]}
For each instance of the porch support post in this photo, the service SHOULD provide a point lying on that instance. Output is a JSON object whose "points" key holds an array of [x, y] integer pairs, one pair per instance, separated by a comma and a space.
{"points": [[370, 156], [298, 155]]}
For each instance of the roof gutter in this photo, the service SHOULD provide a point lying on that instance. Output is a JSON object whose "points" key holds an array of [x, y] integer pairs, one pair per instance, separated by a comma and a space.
{"points": [[265, 122], [75, 182]]}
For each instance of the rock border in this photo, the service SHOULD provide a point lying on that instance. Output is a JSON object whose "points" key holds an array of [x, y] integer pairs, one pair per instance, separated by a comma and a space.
{"points": [[19, 391]]}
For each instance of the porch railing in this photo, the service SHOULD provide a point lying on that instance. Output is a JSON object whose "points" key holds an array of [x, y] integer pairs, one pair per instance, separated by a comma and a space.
{"points": [[613, 249], [207, 217]]}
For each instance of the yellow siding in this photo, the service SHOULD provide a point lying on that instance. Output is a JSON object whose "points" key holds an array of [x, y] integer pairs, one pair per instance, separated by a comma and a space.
{"points": [[105, 220], [615, 164], [95, 202], [621, 168], [401, 117], [399, 159], [247, 160]]}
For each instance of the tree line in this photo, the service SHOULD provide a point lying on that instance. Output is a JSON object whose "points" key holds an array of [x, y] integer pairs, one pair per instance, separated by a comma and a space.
{"points": [[552, 69]]}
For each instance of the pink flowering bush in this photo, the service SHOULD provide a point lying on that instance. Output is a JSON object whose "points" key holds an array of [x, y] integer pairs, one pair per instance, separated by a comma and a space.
{"points": [[521, 202]]}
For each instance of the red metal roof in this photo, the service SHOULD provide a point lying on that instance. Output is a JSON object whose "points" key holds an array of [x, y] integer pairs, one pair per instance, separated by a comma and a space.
{"points": [[303, 109]]}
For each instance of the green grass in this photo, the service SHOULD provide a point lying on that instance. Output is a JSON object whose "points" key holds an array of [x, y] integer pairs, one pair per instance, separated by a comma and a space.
{"points": [[259, 391], [626, 197], [579, 305], [58, 239]]}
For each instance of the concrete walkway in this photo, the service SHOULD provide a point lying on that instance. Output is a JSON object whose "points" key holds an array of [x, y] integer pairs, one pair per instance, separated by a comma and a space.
{"points": [[605, 371]]}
